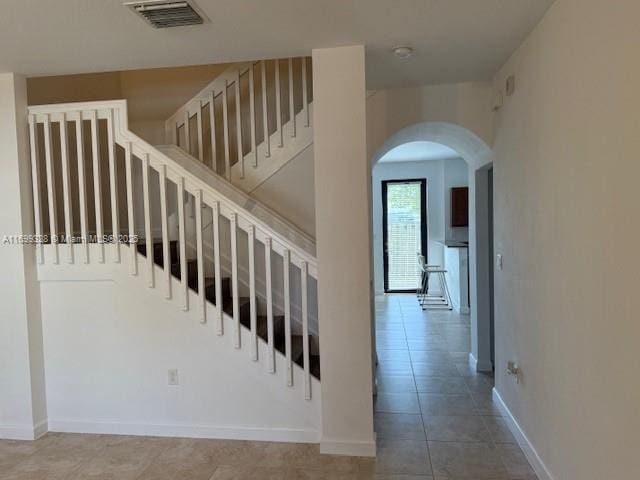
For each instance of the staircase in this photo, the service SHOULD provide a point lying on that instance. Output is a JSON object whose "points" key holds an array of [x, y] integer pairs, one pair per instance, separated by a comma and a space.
{"points": [[103, 196], [248, 122]]}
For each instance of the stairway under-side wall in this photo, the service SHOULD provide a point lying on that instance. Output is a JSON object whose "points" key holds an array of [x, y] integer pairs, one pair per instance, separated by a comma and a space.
{"points": [[95, 180]]}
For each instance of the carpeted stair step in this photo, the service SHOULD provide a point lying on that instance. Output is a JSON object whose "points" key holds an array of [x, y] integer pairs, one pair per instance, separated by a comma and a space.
{"points": [[158, 251]]}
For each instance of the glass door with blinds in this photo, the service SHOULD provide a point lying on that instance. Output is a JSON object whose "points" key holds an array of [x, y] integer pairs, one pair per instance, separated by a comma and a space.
{"points": [[404, 225]]}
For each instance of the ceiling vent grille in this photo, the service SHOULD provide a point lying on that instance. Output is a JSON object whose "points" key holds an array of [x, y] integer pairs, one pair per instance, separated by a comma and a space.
{"points": [[167, 13]]}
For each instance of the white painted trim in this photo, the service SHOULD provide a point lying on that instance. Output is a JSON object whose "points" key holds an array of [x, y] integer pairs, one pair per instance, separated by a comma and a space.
{"points": [[479, 366], [351, 448], [24, 432], [473, 361], [189, 430], [527, 447]]}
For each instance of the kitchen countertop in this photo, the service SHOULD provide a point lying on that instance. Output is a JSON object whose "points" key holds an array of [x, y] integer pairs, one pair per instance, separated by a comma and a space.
{"points": [[454, 243]]}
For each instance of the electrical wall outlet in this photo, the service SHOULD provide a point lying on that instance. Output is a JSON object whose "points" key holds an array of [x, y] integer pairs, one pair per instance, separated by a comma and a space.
{"points": [[172, 377]]}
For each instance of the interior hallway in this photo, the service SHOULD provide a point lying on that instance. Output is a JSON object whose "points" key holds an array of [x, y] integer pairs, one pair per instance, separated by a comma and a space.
{"points": [[434, 414]]}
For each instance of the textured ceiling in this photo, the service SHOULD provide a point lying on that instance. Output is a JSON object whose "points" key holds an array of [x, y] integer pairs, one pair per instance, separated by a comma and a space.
{"points": [[454, 40]]}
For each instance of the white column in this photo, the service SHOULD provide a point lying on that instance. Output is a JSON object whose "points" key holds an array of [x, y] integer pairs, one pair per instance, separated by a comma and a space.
{"points": [[342, 179], [23, 411], [479, 270]]}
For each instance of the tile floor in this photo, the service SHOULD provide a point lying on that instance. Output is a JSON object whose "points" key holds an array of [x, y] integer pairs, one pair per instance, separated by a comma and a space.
{"points": [[434, 419], [434, 415]]}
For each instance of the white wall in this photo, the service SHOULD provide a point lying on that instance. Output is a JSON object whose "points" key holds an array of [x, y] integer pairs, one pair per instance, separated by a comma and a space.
{"points": [[290, 192], [566, 175], [23, 410], [465, 104], [109, 341], [433, 171]]}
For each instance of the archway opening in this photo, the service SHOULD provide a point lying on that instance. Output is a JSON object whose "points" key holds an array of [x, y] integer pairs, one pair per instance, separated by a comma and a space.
{"points": [[440, 150]]}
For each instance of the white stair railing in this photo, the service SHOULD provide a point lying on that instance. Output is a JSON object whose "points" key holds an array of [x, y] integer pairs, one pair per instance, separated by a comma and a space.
{"points": [[243, 130], [139, 156]]}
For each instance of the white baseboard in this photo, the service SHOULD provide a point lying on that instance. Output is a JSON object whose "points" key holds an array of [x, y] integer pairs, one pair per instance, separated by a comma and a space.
{"points": [[479, 366], [187, 431], [24, 432], [348, 447], [527, 447], [473, 361]]}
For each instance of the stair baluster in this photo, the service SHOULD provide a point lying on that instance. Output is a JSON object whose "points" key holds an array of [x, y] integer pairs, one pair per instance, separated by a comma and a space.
{"points": [[51, 189], [66, 186], [278, 105], [37, 204], [184, 286], [265, 120], [239, 125], [212, 122], [234, 278], [97, 183], [252, 293], [252, 115], [200, 258], [166, 253], [129, 179], [218, 269], [82, 186], [292, 108], [286, 266], [113, 182], [148, 235], [304, 272], [225, 121], [269, 292]]}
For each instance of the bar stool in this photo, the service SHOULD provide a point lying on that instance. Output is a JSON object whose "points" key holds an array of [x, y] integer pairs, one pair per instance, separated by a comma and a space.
{"points": [[427, 301]]}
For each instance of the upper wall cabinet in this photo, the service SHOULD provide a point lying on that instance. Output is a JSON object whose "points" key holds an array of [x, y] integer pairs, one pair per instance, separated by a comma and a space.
{"points": [[459, 206]]}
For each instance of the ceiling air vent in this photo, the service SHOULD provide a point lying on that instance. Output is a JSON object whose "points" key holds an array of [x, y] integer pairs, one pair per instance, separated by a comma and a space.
{"points": [[167, 13]]}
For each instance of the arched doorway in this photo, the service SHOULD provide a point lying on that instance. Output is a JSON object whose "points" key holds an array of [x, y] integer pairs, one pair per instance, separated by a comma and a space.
{"points": [[478, 157]]}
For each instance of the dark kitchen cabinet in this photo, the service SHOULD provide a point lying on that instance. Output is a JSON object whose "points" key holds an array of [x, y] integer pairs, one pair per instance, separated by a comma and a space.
{"points": [[459, 206]]}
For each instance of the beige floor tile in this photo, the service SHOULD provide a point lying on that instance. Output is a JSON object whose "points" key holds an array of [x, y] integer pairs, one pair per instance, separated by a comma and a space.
{"points": [[485, 404], [479, 384], [478, 461], [304, 456], [397, 477], [13, 452], [460, 428], [396, 403], [430, 356], [227, 472], [398, 457], [438, 404], [386, 367], [188, 458], [435, 369], [498, 429], [56, 465], [440, 384], [399, 426], [516, 462], [396, 384]]}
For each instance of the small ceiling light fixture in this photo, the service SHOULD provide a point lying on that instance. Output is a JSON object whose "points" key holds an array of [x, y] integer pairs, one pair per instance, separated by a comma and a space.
{"points": [[402, 51]]}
